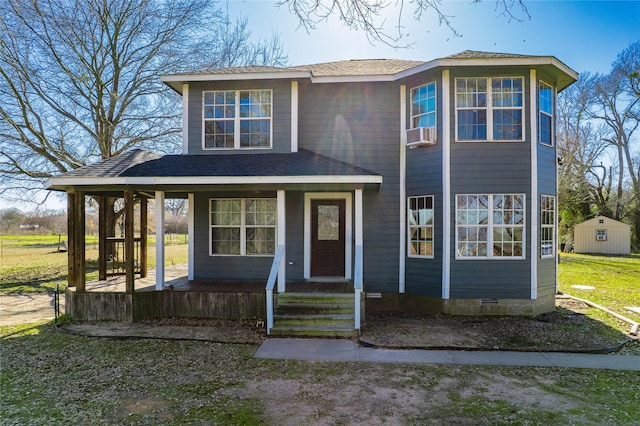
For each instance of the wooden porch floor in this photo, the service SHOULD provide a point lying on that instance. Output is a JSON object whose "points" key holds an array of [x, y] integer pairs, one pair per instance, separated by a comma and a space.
{"points": [[176, 276]]}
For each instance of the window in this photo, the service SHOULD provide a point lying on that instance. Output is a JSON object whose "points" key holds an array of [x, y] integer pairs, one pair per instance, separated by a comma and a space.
{"points": [[420, 211], [237, 119], [545, 116], [489, 109], [490, 226], [601, 235], [547, 226], [423, 106], [243, 226]]}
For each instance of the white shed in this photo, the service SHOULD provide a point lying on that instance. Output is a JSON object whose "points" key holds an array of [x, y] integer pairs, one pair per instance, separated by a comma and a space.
{"points": [[602, 235]]}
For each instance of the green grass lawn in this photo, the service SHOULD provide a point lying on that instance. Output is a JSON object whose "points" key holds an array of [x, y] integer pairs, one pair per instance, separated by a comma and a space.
{"points": [[616, 280], [32, 263], [48, 377]]}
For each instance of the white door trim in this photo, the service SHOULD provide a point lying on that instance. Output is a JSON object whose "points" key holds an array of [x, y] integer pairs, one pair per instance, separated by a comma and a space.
{"points": [[348, 228]]}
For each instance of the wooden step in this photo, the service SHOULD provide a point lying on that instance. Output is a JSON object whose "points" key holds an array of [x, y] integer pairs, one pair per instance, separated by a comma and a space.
{"points": [[314, 319], [314, 315], [308, 331]]}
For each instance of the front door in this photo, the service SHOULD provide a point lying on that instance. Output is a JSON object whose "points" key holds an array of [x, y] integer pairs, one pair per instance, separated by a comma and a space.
{"points": [[327, 238]]}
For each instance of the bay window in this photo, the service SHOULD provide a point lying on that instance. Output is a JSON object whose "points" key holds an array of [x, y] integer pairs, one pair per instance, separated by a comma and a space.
{"points": [[547, 226], [237, 119], [489, 109], [423, 106], [490, 226], [243, 227], [545, 114]]}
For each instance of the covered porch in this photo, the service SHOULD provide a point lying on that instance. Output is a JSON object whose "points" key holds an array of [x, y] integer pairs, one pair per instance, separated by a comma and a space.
{"points": [[141, 177]]}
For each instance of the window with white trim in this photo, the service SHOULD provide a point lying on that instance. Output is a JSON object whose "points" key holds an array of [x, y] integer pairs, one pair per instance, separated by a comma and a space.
{"points": [[489, 109], [545, 113], [601, 235], [423, 106], [547, 226], [490, 226], [420, 226], [243, 227], [237, 119]]}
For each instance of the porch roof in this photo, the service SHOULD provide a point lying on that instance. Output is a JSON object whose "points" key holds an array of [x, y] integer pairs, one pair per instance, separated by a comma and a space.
{"points": [[143, 168]]}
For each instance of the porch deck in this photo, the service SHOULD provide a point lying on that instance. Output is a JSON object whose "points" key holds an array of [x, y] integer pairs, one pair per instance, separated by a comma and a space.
{"points": [[226, 299], [176, 278]]}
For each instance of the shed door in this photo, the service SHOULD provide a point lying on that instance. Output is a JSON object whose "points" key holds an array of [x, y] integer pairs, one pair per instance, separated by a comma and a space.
{"points": [[327, 238]]}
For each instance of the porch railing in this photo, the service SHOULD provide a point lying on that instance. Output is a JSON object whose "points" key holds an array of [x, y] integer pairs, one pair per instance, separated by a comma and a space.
{"points": [[116, 258], [357, 285], [271, 282]]}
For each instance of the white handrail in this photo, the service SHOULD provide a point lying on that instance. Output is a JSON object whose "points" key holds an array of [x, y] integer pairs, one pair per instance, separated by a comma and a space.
{"points": [[357, 285], [271, 282]]}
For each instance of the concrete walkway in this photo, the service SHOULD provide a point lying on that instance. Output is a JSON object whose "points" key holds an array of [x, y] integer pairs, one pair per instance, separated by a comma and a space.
{"points": [[347, 350], [27, 308], [33, 307]]}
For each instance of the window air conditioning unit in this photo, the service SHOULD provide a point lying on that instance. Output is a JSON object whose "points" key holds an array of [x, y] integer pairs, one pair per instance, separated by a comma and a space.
{"points": [[422, 136]]}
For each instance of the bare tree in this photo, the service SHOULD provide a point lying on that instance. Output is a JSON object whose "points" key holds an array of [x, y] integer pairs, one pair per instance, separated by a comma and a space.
{"points": [[582, 180], [618, 108], [366, 15], [598, 121], [79, 79]]}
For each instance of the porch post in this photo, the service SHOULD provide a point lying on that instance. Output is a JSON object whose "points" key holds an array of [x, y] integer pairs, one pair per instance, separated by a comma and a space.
{"points": [[76, 247], [359, 272], [102, 238], [143, 237], [129, 252], [358, 214], [160, 239], [281, 240], [71, 243], [191, 232]]}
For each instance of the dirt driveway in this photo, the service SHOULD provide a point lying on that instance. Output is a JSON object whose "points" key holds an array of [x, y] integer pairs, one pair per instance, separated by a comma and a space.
{"points": [[27, 308]]}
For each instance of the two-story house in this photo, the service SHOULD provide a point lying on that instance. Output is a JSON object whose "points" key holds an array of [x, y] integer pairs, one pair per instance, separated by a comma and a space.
{"points": [[428, 186]]}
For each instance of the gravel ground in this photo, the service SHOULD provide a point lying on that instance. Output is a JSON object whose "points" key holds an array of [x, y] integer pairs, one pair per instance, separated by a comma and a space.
{"points": [[568, 329]]}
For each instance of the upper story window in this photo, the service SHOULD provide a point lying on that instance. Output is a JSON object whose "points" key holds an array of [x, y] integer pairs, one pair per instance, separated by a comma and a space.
{"points": [[423, 106], [237, 119], [545, 116], [489, 109]]}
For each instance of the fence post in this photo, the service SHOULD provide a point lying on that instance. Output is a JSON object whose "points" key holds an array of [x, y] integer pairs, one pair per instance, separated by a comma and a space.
{"points": [[56, 301]]}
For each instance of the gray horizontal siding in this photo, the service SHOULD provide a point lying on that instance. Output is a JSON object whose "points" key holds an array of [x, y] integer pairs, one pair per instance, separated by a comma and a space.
{"points": [[546, 277], [295, 235], [281, 114], [490, 168], [424, 177], [208, 267], [508, 279], [546, 268], [360, 124], [547, 161]]}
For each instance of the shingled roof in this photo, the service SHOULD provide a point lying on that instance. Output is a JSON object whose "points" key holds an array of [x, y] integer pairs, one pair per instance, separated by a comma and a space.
{"points": [[116, 165], [475, 54], [301, 163], [141, 167], [355, 67], [357, 70]]}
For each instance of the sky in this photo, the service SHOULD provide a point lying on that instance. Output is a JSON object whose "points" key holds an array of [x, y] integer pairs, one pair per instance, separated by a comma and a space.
{"points": [[585, 35]]}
